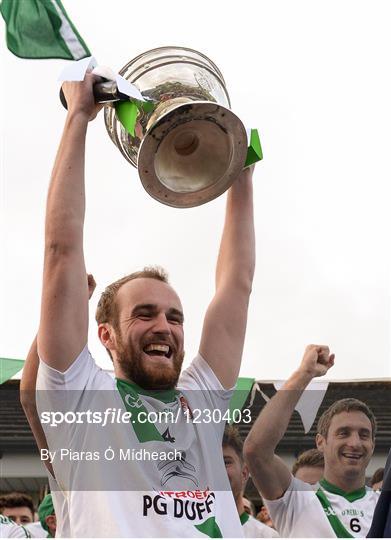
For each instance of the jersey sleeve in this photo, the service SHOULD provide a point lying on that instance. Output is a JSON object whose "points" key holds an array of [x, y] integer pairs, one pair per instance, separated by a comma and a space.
{"points": [[68, 391], [208, 399], [286, 510], [82, 372], [200, 376]]}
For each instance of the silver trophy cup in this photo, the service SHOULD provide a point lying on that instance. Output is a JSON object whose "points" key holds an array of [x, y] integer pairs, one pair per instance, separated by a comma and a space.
{"points": [[191, 147]]}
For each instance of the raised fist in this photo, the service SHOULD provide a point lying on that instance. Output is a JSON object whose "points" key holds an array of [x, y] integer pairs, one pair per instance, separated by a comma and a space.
{"points": [[317, 360]]}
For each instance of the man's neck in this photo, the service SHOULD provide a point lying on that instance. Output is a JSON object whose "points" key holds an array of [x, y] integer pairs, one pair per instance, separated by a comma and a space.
{"points": [[348, 485]]}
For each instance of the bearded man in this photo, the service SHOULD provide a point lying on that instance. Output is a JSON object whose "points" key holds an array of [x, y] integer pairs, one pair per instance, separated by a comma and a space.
{"points": [[181, 487]]}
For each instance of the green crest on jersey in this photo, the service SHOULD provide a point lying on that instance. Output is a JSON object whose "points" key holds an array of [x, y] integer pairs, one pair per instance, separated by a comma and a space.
{"points": [[130, 394]]}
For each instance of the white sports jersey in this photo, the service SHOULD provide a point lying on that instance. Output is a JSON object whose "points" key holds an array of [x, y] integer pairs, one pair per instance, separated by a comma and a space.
{"points": [[36, 530], [255, 529], [9, 529], [300, 512], [183, 491]]}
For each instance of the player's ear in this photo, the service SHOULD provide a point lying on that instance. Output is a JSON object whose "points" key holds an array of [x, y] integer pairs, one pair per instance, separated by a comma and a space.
{"points": [[320, 442], [51, 522], [245, 474], [107, 336]]}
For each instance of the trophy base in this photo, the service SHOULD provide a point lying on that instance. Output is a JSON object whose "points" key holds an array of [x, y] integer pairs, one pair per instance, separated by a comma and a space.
{"points": [[192, 154]]}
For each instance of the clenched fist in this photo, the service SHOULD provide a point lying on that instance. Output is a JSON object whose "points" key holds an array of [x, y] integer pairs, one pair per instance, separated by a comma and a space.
{"points": [[317, 360], [80, 97]]}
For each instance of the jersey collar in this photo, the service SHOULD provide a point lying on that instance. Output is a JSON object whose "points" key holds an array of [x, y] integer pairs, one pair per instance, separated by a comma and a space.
{"points": [[166, 396], [244, 518], [351, 496]]}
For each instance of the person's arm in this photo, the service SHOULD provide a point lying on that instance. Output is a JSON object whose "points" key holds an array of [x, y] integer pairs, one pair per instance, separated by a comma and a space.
{"points": [[226, 318], [28, 387], [27, 397], [269, 473], [64, 310]]}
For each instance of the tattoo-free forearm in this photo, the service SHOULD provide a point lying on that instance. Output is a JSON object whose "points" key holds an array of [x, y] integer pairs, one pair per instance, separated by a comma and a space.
{"points": [[66, 198], [272, 423], [236, 260]]}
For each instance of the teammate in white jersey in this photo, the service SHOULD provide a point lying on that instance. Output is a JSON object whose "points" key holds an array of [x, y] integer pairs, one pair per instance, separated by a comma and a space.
{"points": [[19, 507], [58, 519], [140, 323], [9, 529], [238, 476], [340, 505]]}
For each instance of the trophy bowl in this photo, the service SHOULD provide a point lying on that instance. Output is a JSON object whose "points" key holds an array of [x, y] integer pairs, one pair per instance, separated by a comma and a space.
{"points": [[191, 147]]}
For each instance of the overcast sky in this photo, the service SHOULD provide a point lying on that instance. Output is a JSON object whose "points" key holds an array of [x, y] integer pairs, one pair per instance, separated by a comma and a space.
{"points": [[314, 77]]}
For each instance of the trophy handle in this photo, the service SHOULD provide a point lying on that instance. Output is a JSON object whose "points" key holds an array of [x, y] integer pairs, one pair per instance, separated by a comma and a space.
{"points": [[104, 92]]}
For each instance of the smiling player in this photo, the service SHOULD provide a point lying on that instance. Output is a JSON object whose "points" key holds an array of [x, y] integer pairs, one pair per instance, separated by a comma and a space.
{"points": [[140, 323], [340, 505]]}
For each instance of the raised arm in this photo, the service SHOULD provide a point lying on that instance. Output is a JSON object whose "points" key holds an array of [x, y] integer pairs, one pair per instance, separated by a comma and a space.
{"points": [[226, 318], [28, 400], [269, 473], [64, 309], [28, 387]]}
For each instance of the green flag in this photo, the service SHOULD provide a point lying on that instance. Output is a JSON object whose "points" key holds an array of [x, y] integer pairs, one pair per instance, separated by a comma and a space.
{"points": [[9, 367], [238, 399], [41, 29]]}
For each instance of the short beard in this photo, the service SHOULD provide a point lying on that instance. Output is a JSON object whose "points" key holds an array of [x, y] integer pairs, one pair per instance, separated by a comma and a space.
{"points": [[133, 367], [353, 473]]}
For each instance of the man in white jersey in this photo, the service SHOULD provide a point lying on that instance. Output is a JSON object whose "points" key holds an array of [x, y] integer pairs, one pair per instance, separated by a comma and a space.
{"points": [[58, 519], [238, 476], [9, 529], [17, 506], [174, 483], [340, 505], [47, 524]]}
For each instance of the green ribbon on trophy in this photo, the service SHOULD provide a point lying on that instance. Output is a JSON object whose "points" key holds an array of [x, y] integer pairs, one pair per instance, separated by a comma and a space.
{"points": [[254, 151], [127, 113]]}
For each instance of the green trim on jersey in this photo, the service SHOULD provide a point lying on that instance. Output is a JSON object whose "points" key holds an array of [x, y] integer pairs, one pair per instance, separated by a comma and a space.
{"points": [[335, 522], [166, 396], [210, 528], [145, 431], [244, 518], [351, 496]]}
